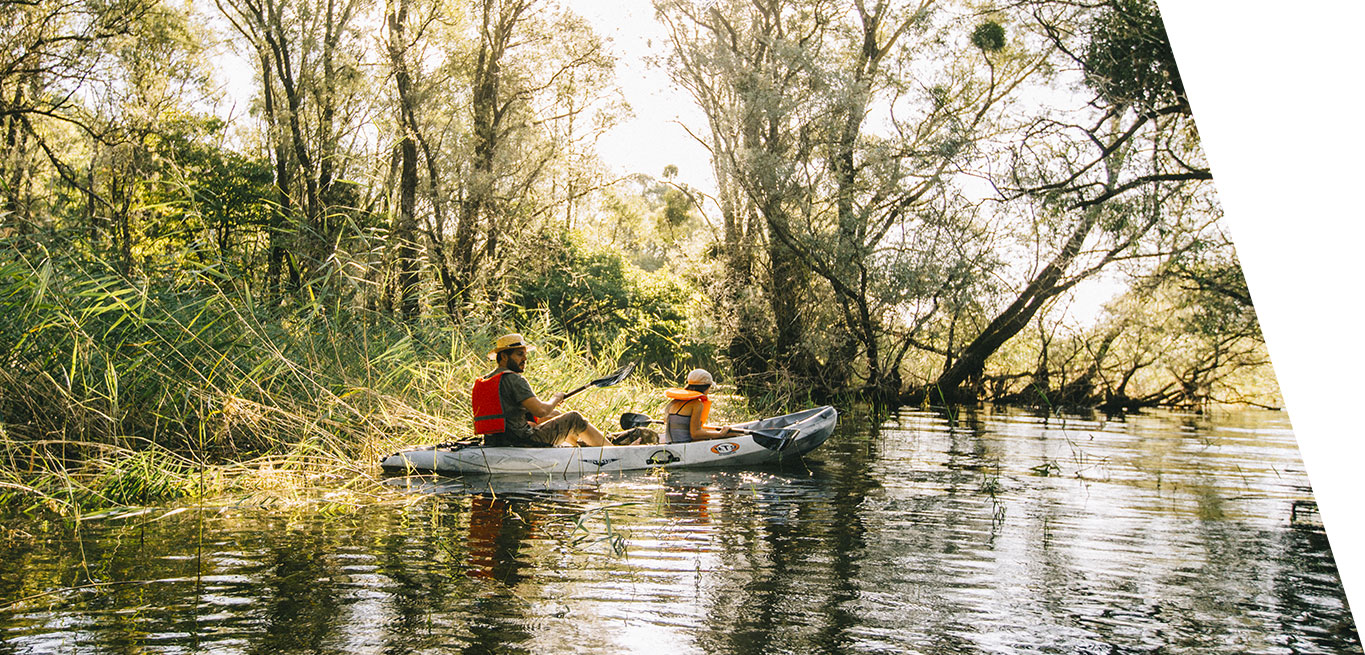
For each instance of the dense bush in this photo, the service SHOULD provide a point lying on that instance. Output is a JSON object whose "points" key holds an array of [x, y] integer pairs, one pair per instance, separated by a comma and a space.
{"points": [[599, 298]]}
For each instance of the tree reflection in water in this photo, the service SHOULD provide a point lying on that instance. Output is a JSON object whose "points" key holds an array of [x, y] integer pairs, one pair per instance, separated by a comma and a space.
{"points": [[935, 533]]}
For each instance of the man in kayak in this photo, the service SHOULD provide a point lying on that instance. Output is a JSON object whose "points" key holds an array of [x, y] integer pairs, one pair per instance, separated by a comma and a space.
{"points": [[688, 409], [508, 413]]}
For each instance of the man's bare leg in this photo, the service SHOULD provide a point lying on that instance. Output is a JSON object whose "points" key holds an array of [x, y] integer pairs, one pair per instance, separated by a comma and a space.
{"points": [[591, 437]]}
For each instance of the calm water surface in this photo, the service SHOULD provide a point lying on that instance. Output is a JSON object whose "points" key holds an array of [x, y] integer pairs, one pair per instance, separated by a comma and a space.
{"points": [[986, 532]]}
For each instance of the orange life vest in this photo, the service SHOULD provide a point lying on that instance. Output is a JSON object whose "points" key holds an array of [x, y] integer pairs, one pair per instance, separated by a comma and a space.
{"points": [[678, 427], [489, 414]]}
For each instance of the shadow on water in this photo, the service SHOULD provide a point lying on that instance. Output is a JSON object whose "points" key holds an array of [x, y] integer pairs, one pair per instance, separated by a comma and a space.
{"points": [[981, 531]]}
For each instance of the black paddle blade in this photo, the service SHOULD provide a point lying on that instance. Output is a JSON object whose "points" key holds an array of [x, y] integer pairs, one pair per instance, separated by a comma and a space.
{"points": [[631, 420], [606, 381], [614, 377]]}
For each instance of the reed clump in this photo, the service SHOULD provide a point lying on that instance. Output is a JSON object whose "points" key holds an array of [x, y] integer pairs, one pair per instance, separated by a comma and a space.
{"points": [[115, 391]]}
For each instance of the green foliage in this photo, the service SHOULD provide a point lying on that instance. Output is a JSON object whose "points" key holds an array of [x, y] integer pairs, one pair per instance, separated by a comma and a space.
{"points": [[989, 36], [1215, 297], [676, 212], [212, 196], [149, 384], [1186, 339], [599, 298], [582, 290], [142, 478], [866, 219], [1129, 58]]}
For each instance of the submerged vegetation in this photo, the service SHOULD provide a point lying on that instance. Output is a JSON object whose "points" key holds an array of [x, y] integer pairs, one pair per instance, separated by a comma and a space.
{"points": [[908, 203]]}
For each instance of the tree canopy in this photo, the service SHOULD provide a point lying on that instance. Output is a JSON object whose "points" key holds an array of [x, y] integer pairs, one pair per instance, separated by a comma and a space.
{"points": [[910, 196]]}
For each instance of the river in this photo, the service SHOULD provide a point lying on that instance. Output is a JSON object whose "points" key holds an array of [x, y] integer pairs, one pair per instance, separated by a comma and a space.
{"points": [[988, 531]]}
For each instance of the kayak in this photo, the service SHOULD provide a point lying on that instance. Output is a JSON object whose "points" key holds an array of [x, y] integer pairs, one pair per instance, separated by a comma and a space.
{"points": [[778, 438], [569, 487]]}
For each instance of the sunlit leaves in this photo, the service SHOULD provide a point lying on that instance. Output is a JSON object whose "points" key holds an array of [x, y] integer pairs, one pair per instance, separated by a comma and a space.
{"points": [[598, 297]]}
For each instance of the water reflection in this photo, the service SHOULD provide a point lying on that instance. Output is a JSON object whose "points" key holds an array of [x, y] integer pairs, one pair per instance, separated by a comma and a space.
{"points": [[934, 532]]}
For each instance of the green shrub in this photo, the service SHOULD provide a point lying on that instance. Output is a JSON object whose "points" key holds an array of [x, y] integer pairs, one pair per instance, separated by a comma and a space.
{"points": [[599, 298]]}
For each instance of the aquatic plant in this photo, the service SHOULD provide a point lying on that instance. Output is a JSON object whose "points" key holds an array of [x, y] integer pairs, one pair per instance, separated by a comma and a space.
{"points": [[616, 540], [147, 477]]}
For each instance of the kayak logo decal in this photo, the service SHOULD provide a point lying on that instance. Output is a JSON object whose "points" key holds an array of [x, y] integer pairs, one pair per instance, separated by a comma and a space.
{"points": [[725, 448], [662, 457], [599, 463]]}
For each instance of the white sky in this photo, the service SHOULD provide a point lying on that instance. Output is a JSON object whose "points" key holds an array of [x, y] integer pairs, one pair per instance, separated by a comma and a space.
{"points": [[653, 138]]}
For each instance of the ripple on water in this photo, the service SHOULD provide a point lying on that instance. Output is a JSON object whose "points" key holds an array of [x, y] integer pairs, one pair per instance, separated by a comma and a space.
{"points": [[981, 532]]}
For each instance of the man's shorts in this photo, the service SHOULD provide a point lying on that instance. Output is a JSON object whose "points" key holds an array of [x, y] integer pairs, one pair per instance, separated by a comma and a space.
{"points": [[556, 429]]}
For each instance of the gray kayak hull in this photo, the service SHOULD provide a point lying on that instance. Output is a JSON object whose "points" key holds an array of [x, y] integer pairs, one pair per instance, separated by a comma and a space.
{"points": [[812, 426]]}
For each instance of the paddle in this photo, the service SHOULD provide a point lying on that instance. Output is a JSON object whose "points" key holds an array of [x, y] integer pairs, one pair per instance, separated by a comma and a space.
{"points": [[606, 381], [630, 420]]}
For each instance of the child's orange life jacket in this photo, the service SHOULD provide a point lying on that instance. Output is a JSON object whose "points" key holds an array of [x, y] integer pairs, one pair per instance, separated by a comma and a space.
{"points": [[678, 427]]}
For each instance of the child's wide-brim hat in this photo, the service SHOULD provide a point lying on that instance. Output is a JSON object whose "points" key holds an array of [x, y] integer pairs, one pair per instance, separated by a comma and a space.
{"points": [[700, 376], [508, 342]]}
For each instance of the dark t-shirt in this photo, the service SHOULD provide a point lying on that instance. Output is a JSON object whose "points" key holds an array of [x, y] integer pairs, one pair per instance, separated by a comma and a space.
{"points": [[512, 390]]}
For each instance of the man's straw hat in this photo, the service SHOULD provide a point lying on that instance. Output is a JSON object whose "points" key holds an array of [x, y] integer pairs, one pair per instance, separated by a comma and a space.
{"points": [[507, 342]]}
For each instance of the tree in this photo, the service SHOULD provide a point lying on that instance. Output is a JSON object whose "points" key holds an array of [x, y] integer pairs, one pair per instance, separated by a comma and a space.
{"points": [[499, 106], [52, 50], [790, 90], [1185, 336], [1105, 184], [309, 65], [142, 110], [405, 225], [722, 68]]}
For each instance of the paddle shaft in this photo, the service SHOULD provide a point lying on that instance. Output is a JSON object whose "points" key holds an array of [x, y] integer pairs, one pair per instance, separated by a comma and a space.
{"points": [[639, 420], [606, 381]]}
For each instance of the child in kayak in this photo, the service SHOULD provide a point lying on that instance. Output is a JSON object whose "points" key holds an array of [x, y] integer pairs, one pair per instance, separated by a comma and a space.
{"points": [[687, 411]]}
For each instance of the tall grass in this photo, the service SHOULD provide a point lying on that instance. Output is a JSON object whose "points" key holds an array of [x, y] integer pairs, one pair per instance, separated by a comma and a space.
{"points": [[122, 392]]}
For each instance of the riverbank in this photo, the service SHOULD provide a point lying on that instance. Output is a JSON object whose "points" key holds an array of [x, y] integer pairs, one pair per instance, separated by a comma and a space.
{"points": [[121, 394], [117, 393]]}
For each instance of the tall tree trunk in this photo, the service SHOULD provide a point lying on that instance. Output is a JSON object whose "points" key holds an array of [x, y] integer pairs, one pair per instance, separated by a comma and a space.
{"points": [[745, 348], [276, 229], [405, 229], [787, 281], [405, 233], [852, 248], [12, 166], [435, 232], [338, 18], [498, 22], [302, 157], [971, 362]]}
